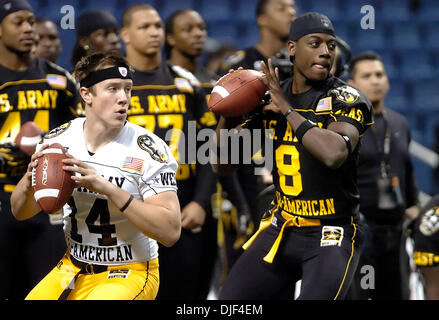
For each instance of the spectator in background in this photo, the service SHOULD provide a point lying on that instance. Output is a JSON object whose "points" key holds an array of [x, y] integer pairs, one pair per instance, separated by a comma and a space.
{"points": [[274, 18], [49, 43], [28, 249], [96, 31], [168, 99], [386, 181], [216, 53]]}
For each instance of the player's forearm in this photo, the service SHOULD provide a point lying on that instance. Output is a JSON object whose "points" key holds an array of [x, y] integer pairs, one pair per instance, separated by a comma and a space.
{"points": [[159, 221], [224, 124], [23, 204]]}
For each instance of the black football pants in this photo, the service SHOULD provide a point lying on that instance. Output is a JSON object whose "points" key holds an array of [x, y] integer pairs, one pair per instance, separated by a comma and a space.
{"points": [[326, 271]]}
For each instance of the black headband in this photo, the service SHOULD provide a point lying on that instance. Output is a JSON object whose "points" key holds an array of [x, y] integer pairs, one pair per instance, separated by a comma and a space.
{"points": [[121, 72], [311, 22], [10, 6]]}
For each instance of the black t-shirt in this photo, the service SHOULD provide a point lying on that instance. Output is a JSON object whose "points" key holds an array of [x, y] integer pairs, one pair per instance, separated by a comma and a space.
{"points": [[248, 59], [44, 93], [369, 166], [304, 185], [171, 98]]}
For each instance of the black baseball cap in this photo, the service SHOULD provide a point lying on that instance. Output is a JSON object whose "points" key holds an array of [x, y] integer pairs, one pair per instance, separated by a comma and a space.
{"points": [[310, 22], [10, 6]]}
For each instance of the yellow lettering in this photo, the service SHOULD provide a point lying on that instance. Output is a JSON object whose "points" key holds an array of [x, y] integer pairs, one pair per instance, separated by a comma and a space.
{"points": [[330, 204], [43, 99], [161, 102], [322, 208], [304, 207], [4, 103], [288, 133], [359, 115], [152, 105], [313, 207], [31, 99], [172, 104], [182, 102], [135, 106], [22, 103], [298, 208], [53, 96], [272, 125]]}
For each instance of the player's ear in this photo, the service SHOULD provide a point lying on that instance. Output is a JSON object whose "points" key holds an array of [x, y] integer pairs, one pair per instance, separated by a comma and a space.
{"points": [[292, 48], [170, 39], [124, 35], [86, 95]]}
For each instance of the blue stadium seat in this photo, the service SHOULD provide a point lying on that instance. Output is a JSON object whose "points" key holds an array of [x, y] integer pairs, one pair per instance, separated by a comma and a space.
{"points": [[246, 10], [329, 8], [168, 7], [416, 65], [429, 10], [432, 35], [426, 95], [396, 99], [216, 10], [405, 36], [394, 11], [371, 39]]}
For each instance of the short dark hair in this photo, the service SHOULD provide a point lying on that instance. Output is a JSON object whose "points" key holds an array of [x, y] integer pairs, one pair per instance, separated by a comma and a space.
{"points": [[260, 7], [169, 28], [127, 14], [366, 55]]}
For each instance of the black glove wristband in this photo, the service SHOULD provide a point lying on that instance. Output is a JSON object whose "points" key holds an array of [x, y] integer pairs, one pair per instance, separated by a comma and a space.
{"points": [[127, 203], [303, 128], [286, 114]]}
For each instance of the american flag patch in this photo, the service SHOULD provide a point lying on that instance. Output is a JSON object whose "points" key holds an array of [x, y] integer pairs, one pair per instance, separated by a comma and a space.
{"points": [[324, 104], [183, 85], [133, 164], [57, 81]]}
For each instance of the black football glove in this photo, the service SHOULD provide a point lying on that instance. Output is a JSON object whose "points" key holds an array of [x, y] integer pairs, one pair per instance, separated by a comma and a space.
{"points": [[13, 161]]}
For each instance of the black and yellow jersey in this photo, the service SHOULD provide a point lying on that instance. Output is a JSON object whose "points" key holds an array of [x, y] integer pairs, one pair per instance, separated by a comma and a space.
{"points": [[44, 93], [170, 102], [305, 186]]}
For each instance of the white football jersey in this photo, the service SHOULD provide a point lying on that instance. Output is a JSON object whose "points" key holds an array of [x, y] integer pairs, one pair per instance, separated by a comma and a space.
{"points": [[138, 162]]}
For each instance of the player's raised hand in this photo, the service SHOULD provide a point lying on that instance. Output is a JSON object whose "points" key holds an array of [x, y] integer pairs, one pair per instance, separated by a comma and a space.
{"points": [[271, 81]]}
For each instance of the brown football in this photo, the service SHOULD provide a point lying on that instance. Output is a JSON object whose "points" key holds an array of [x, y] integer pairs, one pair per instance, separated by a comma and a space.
{"points": [[237, 93], [28, 137], [52, 185]]}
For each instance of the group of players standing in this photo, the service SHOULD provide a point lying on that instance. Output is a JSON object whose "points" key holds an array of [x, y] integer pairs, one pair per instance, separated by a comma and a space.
{"points": [[172, 93]]}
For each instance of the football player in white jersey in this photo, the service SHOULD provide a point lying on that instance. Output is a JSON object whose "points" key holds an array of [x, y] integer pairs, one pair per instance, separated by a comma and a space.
{"points": [[125, 197]]}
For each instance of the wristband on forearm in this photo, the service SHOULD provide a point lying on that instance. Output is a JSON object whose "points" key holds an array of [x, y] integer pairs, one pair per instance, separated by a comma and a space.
{"points": [[303, 128], [286, 114], [348, 142], [127, 203]]}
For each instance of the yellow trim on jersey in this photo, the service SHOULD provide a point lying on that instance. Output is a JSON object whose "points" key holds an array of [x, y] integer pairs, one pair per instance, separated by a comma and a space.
{"points": [[13, 83], [349, 261], [9, 187], [153, 86]]}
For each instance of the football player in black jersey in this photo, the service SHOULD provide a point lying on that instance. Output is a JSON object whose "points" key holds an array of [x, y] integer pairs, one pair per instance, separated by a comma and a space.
{"points": [[311, 231], [31, 89], [186, 35], [426, 247], [49, 43], [169, 101]]}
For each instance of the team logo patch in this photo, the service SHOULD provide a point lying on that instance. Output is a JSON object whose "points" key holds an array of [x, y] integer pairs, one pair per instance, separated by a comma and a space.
{"points": [[324, 104], [133, 164], [430, 222], [146, 143], [123, 71], [57, 131], [118, 274], [346, 94], [331, 236]]}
